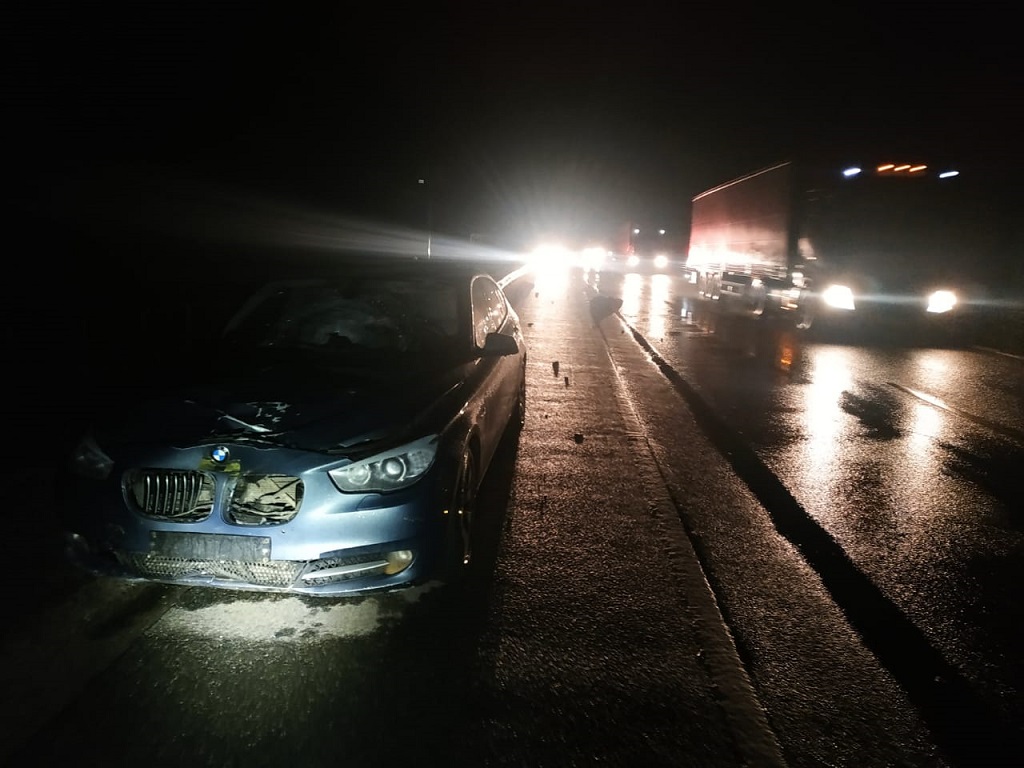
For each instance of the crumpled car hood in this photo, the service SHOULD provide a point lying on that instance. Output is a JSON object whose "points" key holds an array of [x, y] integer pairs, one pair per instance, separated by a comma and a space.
{"points": [[319, 409]]}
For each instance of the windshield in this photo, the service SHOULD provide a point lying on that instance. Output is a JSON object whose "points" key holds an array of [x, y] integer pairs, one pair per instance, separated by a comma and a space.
{"points": [[357, 315]]}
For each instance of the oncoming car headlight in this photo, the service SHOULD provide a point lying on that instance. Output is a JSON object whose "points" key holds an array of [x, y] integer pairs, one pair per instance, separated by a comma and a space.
{"points": [[388, 471], [660, 261], [941, 301], [838, 297]]}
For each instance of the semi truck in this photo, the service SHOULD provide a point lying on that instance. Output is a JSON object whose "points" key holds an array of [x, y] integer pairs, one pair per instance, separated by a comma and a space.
{"points": [[827, 249]]}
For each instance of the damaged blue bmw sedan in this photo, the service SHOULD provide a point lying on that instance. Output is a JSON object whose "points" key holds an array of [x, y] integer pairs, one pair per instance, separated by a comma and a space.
{"points": [[335, 444]]}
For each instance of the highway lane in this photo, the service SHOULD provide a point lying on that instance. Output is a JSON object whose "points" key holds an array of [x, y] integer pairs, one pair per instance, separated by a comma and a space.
{"points": [[904, 459]]}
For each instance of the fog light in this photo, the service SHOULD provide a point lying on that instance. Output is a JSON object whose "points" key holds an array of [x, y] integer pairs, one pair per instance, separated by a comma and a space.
{"points": [[398, 561]]}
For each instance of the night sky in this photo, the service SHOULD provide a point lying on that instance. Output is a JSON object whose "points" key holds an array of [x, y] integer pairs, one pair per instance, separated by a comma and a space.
{"points": [[522, 119], [151, 143]]}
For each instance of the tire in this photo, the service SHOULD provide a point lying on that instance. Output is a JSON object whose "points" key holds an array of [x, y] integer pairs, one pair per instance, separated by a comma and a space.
{"points": [[805, 317]]}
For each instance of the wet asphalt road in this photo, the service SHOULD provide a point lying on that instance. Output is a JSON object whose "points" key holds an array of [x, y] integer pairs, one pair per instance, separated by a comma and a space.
{"points": [[640, 600], [894, 469]]}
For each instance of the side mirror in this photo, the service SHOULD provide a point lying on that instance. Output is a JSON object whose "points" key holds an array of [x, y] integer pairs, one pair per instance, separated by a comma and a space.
{"points": [[499, 345]]}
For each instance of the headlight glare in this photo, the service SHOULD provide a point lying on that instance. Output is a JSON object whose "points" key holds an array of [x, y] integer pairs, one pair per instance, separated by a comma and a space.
{"points": [[838, 297], [388, 471], [941, 301]]}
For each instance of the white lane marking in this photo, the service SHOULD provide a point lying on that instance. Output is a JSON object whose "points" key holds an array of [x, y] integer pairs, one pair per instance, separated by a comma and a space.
{"points": [[1002, 429], [1002, 353], [755, 739]]}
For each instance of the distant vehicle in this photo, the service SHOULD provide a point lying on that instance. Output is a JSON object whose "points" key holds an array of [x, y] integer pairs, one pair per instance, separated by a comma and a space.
{"points": [[887, 247], [647, 250], [332, 442], [649, 262]]}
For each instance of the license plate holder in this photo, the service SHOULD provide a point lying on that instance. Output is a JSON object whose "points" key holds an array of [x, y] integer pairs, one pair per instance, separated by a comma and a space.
{"points": [[210, 546]]}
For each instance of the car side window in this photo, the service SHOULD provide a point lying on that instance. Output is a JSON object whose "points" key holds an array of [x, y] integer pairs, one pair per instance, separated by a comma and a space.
{"points": [[489, 309]]}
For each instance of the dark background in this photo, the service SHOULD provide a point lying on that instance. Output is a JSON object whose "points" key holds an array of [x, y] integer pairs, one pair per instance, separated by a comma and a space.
{"points": [[519, 117], [154, 147]]}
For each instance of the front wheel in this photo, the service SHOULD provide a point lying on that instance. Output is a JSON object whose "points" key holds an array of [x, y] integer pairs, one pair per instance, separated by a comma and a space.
{"points": [[805, 312], [805, 318]]}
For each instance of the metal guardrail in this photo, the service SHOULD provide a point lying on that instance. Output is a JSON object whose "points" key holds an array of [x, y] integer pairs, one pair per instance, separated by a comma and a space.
{"points": [[514, 275]]}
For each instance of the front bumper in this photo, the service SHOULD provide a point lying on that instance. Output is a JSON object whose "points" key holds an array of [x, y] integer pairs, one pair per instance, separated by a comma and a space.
{"points": [[341, 573], [334, 543]]}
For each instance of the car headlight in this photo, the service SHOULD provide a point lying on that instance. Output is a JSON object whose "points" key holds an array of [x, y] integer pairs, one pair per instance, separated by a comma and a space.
{"points": [[633, 260], [941, 301], [660, 261], [388, 471], [89, 460], [838, 297], [550, 256]]}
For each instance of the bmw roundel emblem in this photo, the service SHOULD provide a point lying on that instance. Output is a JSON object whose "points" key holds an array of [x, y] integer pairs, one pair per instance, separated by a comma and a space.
{"points": [[220, 454]]}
